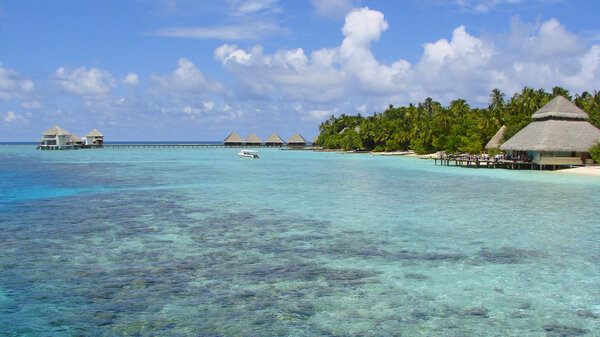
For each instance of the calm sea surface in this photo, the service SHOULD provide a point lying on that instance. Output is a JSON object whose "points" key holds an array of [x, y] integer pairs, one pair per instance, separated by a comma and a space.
{"points": [[188, 242]]}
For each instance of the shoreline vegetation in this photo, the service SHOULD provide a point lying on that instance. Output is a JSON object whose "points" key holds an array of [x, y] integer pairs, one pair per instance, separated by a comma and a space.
{"points": [[429, 127]]}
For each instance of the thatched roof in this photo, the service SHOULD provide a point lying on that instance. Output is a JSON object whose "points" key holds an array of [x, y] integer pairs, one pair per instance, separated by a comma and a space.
{"points": [[94, 133], [314, 139], [75, 138], [357, 129], [274, 139], [495, 142], [560, 108], [296, 139], [56, 131], [554, 135], [253, 139], [233, 138]]}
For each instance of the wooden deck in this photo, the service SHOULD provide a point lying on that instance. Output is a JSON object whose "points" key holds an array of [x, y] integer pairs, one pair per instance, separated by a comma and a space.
{"points": [[179, 146], [486, 163]]}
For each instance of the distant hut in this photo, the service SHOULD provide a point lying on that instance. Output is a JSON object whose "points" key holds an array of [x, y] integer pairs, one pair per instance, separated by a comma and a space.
{"points": [[559, 135], [253, 139], [296, 140], [274, 140], [94, 139], [233, 139], [314, 141], [56, 138], [75, 141], [494, 143]]}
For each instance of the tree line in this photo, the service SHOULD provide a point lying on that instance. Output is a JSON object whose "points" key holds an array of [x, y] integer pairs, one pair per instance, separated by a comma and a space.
{"points": [[428, 126]]}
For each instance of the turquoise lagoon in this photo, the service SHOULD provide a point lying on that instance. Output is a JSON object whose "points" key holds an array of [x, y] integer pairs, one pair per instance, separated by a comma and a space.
{"points": [[189, 242]]}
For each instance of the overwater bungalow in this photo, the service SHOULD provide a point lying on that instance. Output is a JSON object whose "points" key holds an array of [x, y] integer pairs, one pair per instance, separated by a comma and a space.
{"points": [[75, 141], [274, 140], [56, 138], [253, 139], [296, 140], [559, 135], [94, 139], [233, 139]]}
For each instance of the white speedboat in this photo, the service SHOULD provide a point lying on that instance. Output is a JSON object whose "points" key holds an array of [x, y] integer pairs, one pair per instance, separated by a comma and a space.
{"points": [[248, 153]]}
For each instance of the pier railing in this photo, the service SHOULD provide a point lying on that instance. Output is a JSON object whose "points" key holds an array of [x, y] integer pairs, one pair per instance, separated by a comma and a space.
{"points": [[485, 162], [180, 146]]}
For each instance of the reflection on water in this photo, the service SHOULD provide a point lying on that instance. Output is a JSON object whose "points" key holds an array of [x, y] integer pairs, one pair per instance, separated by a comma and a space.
{"points": [[197, 242]]}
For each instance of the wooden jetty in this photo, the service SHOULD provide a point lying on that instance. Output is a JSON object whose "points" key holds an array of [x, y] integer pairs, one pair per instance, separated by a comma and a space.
{"points": [[466, 161], [177, 146]]}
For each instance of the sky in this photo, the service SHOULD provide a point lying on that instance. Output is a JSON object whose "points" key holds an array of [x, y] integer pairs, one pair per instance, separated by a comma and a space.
{"points": [[186, 70]]}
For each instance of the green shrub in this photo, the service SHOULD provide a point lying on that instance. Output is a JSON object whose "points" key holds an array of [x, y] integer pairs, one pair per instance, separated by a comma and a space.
{"points": [[595, 152]]}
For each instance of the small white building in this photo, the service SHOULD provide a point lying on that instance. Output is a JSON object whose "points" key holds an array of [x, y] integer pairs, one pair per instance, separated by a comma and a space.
{"points": [[94, 139], [56, 138]]}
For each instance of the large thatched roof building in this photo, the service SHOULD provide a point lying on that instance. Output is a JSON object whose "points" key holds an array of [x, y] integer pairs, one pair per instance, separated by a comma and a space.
{"points": [[233, 139], [559, 135], [296, 140], [274, 140], [56, 138], [253, 139]]}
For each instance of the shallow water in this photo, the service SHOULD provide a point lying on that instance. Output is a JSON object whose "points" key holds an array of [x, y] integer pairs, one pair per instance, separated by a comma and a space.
{"points": [[187, 242]]}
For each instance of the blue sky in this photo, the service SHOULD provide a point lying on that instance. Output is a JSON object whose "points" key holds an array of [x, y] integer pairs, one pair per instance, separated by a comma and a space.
{"points": [[197, 70]]}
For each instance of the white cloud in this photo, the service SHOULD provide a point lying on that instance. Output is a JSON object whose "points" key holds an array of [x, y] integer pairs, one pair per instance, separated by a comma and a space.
{"points": [[327, 75], [12, 84], [190, 110], [254, 6], [11, 116], [484, 6], [320, 114], [84, 82], [208, 106], [549, 39], [332, 8], [462, 66], [131, 79], [31, 105], [185, 80], [254, 31], [455, 67]]}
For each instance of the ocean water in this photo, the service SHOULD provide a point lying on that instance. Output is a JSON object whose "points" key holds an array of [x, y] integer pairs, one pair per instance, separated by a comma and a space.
{"points": [[194, 242]]}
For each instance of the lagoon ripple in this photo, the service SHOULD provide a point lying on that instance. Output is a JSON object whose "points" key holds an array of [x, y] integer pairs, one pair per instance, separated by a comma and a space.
{"points": [[188, 242]]}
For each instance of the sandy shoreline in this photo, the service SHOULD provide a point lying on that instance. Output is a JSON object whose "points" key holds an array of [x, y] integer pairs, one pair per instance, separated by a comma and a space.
{"points": [[587, 171]]}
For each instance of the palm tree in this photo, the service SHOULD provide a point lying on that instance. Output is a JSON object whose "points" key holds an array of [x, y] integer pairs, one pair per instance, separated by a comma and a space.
{"points": [[496, 99], [562, 92]]}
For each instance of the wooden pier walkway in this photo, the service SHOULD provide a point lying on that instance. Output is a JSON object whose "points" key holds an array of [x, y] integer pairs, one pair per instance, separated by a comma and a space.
{"points": [[485, 163], [178, 146]]}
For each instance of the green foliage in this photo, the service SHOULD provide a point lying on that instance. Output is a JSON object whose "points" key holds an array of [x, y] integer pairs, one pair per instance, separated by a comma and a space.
{"points": [[429, 126], [595, 152]]}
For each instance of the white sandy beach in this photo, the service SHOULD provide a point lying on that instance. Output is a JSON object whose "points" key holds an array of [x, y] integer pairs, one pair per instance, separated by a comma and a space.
{"points": [[588, 171]]}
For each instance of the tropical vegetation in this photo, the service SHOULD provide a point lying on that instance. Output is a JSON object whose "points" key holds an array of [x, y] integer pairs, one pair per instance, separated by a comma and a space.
{"points": [[428, 126], [595, 152]]}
